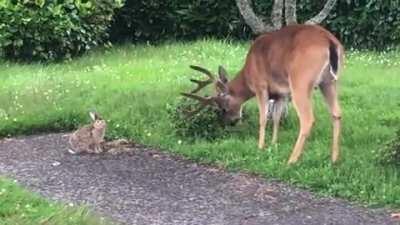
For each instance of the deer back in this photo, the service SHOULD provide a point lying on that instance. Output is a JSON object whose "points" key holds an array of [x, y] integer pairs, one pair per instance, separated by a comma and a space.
{"points": [[276, 57]]}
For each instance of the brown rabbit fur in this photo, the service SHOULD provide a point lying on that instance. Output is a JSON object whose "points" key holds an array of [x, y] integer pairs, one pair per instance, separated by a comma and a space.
{"points": [[89, 138]]}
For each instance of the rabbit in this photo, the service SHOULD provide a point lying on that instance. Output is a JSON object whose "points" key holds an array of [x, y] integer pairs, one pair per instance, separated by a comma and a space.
{"points": [[89, 138]]}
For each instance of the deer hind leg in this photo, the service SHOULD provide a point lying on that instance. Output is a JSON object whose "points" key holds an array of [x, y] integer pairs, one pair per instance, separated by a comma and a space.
{"points": [[302, 103], [330, 94], [279, 104], [262, 107]]}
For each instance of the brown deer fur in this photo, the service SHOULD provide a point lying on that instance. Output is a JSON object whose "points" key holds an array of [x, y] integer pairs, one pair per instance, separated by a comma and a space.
{"points": [[290, 61]]}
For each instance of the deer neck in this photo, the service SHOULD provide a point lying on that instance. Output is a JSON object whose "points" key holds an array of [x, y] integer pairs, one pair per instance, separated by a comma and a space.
{"points": [[239, 89]]}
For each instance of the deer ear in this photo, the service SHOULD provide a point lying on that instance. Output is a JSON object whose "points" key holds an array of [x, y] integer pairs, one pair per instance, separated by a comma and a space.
{"points": [[221, 87], [222, 75]]}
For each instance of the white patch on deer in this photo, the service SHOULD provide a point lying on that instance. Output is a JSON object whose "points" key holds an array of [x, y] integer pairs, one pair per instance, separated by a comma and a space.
{"points": [[334, 75], [321, 73], [241, 112], [70, 151], [335, 78]]}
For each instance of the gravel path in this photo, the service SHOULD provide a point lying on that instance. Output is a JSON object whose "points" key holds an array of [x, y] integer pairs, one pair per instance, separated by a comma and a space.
{"points": [[149, 187]]}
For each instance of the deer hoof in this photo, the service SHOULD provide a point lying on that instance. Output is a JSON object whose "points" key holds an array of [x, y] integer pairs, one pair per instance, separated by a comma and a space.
{"points": [[335, 159], [291, 161]]}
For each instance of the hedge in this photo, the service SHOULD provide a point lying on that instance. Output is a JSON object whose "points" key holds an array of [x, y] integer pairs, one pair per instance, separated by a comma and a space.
{"points": [[53, 29], [372, 24], [59, 29]]}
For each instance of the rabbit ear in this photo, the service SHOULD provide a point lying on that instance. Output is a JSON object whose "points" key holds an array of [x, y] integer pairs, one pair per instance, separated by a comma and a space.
{"points": [[93, 115]]}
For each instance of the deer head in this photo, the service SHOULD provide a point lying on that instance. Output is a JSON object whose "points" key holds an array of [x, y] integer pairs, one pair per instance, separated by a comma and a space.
{"points": [[229, 105]]}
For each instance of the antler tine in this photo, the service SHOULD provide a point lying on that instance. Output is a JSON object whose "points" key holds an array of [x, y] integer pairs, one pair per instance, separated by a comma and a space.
{"points": [[203, 70], [201, 84], [204, 101]]}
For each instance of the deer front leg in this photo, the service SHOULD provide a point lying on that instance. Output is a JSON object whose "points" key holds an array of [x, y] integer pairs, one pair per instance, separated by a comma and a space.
{"points": [[302, 104], [262, 108]]}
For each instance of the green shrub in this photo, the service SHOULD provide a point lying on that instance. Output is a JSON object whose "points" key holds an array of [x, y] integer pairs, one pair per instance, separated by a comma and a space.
{"points": [[144, 20], [369, 24], [51, 29], [390, 153], [206, 124], [154, 20]]}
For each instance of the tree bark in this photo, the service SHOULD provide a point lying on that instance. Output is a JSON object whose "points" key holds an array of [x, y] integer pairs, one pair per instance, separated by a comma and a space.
{"points": [[323, 14], [257, 24], [290, 12], [276, 15]]}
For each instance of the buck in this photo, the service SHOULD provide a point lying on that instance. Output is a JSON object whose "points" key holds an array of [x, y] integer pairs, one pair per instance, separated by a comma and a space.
{"points": [[290, 61]]}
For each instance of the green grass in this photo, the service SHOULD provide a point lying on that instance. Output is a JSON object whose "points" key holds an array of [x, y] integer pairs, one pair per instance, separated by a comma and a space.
{"points": [[131, 86], [19, 207]]}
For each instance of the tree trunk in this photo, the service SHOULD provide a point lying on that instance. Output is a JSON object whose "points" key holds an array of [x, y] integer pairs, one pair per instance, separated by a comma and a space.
{"points": [[323, 14], [257, 24], [290, 12]]}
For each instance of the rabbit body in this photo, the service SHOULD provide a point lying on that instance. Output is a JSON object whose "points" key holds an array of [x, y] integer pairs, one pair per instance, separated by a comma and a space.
{"points": [[89, 138]]}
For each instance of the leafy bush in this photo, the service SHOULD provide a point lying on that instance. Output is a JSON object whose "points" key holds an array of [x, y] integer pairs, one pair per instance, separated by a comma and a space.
{"points": [[370, 24], [390, 153], [144, 20], [51, 30], [154, 20], [206, 124]]}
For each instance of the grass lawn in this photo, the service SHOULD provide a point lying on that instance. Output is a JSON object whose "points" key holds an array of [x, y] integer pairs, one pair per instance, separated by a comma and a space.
{"points": [[131, 86], [18, 207]]}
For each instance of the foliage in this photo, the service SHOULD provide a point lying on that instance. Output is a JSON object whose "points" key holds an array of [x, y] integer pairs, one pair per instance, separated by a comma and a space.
{"points": [[390, 153], [205, 124], [154, 20], [370, 24], [51, 30], [131, 86]]}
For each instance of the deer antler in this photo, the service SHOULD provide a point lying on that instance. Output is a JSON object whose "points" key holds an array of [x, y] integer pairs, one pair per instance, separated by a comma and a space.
{"points": [[202, 83], [204, 101]]}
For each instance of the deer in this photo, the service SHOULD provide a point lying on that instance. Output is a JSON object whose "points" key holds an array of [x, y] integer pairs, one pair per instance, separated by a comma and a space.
{"points": [[289, 62]]}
